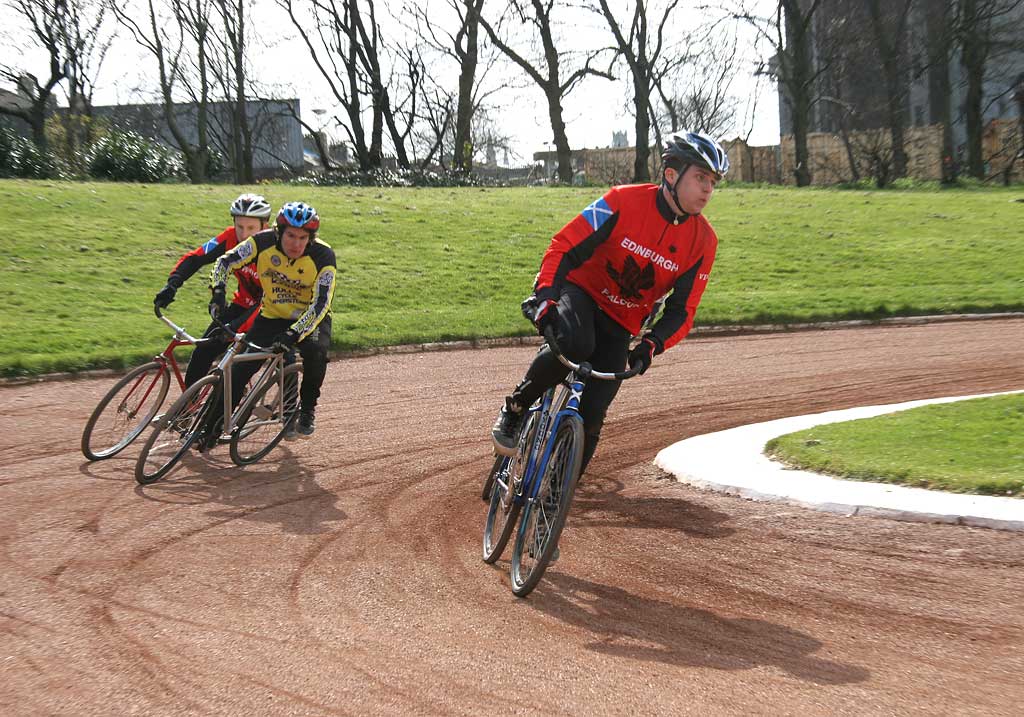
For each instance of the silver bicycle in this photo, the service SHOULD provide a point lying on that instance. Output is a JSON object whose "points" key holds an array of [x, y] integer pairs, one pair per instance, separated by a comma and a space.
{"points": [[203, 416]]}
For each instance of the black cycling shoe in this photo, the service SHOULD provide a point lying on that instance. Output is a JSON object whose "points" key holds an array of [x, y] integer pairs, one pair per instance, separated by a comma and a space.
{"points": [[505, 432], [306, 424]]}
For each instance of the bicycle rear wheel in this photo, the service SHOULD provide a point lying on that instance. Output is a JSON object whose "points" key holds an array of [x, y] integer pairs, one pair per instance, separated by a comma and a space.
{"points": [[183, 424], [543, 518], [125, 411], [265, 415], [506, 480]]}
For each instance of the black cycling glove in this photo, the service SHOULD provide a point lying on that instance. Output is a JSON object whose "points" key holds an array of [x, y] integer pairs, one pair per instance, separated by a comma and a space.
{"points": [[165, 296], [218, 302], [644, 352]]}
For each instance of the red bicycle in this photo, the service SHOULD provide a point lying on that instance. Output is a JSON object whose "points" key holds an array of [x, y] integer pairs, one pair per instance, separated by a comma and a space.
{"points": [[134, 401]]}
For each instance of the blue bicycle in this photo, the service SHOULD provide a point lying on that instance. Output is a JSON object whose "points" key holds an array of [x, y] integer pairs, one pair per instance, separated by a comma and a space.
{"points": [[536, 484]]}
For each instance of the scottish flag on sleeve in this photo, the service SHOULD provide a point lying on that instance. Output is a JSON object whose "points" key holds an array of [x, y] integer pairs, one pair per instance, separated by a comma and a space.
{"points": [[210, 246], [597, 213]]}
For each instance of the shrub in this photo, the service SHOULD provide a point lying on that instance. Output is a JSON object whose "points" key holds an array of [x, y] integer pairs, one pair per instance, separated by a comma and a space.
{"points": [[20, 157], [129, 157], [398, 178]]}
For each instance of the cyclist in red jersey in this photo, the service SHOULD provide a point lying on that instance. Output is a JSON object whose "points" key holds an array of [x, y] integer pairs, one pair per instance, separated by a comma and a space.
{"points": [[249, 213], [604, 272]]}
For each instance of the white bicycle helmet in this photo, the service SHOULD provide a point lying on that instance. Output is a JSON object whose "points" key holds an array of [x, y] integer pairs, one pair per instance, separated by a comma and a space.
{"points": [[251, 205]]}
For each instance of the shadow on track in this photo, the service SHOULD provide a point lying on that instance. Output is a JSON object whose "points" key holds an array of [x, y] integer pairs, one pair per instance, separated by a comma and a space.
{"points": [[600, 502], [279, 491], [630, 626]]}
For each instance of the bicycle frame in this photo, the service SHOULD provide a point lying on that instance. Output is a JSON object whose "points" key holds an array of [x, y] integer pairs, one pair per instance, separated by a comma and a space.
{"points": [[181, 338], [553, 411], [233, 356], [166, 357]]}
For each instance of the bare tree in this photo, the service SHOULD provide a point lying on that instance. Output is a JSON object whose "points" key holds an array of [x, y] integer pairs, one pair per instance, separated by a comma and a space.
{"points": [[696, 93], [437, 112], [194, 18], [332, 42], [48, 29], [789, 31], [231, 70], [87, 44], [346, 45], [986, 30], [547, 73], [462, 45], [939, 47], [889, 23], [165, 36], [642, 50]]}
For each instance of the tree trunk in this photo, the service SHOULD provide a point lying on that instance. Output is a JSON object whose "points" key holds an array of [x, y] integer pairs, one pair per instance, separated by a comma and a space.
{"points": [[798, 82], [562, 150], [467, 77], [246, 174], [940, 89], [973, 61], [801, 111], [641, 103], [396, 137]]}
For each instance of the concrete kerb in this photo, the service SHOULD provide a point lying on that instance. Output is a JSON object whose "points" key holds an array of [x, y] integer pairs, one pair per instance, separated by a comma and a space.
{"points": [[504, 342], [732, 462]]}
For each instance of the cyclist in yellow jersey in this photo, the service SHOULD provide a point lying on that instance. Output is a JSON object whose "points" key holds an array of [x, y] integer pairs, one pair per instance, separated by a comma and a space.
{"points": [[297, 272]]}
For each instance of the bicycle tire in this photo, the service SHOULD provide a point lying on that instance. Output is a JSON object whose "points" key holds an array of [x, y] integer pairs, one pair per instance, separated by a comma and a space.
{"points": [[187, 418], [542, 520], [254, 400], [504, 502], [138, 388], [485, 494]]}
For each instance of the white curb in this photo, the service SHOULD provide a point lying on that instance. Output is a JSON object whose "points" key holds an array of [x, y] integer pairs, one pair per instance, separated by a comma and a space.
{"points": [[732, 462]]}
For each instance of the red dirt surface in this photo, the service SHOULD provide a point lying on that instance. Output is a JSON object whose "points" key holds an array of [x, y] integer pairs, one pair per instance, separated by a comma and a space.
{"points": [[343, 575]]}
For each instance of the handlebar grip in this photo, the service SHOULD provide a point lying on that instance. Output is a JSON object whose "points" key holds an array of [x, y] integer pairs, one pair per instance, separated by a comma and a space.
{"points": [[156, 310]]}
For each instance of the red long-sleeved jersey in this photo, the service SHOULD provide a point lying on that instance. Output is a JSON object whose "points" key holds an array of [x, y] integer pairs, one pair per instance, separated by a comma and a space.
{"points": [[627, 250], [249, 289]]}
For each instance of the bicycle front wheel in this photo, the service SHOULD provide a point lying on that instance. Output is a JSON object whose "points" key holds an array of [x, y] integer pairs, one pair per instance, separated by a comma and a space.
{"points": [[506, 482], [543, 517], [183, 424], [265, 415], [121, 415]]}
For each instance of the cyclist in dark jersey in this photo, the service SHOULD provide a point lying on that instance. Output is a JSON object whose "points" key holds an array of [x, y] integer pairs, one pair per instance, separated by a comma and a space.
{"points": [[297, 272], [249, 214], [603, 273]]}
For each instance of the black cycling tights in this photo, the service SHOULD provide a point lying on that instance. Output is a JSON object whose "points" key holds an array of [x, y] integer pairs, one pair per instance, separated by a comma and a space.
{"points": [[584, 333]]}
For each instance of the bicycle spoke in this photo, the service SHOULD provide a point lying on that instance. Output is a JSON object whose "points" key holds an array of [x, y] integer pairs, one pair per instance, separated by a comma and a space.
{"points": [[264, 415], [543, 518], [183, 425], [125, 411]]}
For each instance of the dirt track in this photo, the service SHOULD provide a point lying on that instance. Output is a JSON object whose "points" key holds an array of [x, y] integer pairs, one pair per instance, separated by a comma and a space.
{"points": [[342, 575]]}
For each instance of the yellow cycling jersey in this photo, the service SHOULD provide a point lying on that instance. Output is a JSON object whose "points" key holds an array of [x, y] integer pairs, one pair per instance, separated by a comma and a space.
{"points": [[298, 289]]}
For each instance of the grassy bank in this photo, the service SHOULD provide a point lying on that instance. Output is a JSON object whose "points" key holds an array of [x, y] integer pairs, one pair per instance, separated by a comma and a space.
{"points": [[80, 262], [965, 447]]}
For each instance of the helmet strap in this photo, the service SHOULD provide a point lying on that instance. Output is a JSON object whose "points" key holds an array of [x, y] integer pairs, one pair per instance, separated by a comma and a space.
{"points": [[673, 186]]}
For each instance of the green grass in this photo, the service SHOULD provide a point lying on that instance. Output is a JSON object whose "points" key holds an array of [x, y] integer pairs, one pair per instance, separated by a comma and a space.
{"points": [[965, 447], [80, 262]]}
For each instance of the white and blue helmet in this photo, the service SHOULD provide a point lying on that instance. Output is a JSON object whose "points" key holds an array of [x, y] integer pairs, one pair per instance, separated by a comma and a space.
{"points": [[697, 149]]}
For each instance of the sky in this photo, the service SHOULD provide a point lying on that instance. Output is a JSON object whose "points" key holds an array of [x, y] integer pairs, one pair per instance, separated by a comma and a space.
{"points": [[594, 110]]}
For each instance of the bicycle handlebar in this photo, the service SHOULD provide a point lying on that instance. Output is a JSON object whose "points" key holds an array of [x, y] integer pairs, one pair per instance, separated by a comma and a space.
{"points": [[549, 336], [235, 336], [179, 331]]}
